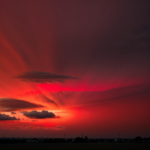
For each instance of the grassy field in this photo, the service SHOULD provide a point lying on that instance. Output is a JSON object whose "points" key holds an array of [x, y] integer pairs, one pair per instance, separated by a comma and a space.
{"points": [[76, 146]]}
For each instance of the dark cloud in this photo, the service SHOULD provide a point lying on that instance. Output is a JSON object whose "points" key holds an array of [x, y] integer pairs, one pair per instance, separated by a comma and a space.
{"points": [[7, 117], [8, 104], [43, 77], [13, 112], [39, 115]]}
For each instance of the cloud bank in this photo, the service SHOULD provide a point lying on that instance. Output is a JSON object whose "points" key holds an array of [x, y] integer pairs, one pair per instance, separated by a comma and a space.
{"points": [[43, 77]]}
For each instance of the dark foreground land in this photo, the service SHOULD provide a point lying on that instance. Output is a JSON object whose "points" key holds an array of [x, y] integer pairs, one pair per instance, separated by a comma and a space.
{"points": [[76, 146]]}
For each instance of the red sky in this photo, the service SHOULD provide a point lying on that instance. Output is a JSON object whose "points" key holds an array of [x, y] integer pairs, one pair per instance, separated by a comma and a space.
{"points": [[73, 67]]}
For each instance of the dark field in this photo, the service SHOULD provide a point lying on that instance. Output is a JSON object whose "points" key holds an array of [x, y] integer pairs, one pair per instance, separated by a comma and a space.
{"points": [[77, 146]]}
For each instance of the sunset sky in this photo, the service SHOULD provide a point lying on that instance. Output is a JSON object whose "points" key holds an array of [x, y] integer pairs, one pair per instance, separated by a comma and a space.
{"points": [[75, 66]]}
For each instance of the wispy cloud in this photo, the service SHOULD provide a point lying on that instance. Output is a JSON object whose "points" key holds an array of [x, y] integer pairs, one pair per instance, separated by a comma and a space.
{"points": [[48, 100]]}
